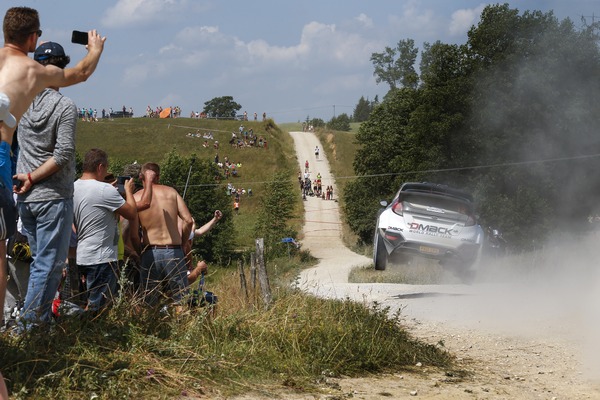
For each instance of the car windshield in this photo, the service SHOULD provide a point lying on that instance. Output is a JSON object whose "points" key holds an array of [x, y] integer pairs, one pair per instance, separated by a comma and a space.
{"points": [[436, 203]]}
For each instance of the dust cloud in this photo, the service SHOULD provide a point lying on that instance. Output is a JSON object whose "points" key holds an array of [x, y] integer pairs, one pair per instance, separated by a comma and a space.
{"points": [[551, 292]]}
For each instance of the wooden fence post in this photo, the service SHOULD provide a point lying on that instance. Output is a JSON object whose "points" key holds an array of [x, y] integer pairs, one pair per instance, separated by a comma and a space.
{"points": [[253, 270], [262, 272], [243, 278]]}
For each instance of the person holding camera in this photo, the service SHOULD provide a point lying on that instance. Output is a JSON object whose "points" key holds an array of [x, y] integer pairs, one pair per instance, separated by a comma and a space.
{"points": [[97, 206], [46, 137]]}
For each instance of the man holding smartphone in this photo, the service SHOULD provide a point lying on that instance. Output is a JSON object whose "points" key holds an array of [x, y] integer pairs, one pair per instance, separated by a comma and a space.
{"points": [[21, 79]]}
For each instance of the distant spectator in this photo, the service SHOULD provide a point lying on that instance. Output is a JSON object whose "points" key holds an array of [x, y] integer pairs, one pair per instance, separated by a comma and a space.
{"points": [[236, 206]]}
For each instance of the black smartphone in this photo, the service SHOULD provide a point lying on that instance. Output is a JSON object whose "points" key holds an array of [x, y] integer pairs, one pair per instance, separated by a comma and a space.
{"points": [[121, 183], [79, 37], [18, 183]]}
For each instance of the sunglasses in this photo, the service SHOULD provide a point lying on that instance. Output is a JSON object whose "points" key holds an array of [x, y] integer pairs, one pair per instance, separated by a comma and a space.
{"points": [[39, 32]]}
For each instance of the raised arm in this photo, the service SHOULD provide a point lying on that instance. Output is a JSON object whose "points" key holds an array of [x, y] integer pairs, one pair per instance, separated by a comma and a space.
{"points": [[84, 69], [128, 210], [145, 201], [209, 225]]}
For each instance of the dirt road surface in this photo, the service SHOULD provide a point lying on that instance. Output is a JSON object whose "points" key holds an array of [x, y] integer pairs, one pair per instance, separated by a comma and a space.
{"points": [[526, 329], [522, 336]]}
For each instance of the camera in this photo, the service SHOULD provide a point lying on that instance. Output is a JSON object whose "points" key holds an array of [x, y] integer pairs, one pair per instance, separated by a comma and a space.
{"points": [[79, 37], [121, 183]]}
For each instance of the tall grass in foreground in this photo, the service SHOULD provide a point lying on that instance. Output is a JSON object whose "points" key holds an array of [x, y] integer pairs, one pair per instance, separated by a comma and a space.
{"points": [[128, 354]]}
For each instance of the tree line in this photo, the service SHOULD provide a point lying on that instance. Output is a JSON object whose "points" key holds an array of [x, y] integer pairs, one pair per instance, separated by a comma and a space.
{"points": [[510, 115]]}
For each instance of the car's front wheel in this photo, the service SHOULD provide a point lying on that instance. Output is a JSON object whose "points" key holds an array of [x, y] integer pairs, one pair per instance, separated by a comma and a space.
{"points": [[379, 253]]}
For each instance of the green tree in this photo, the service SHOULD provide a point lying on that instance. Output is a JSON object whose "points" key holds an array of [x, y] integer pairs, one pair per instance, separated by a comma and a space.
{"points": [[362, 110], [396, 66], [315, 122], [277, 209], [383, 139], [339, 123], [522, 88], [221, 107], [203, 196], [534, 99]]}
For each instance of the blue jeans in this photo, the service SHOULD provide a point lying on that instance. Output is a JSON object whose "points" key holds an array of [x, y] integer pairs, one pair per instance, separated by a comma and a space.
{"points": [[101, 283], [47, 225], [164, 267]]}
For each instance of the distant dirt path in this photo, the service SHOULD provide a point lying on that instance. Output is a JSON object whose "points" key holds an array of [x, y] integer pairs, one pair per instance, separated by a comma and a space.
{"points": [[322, 229]]}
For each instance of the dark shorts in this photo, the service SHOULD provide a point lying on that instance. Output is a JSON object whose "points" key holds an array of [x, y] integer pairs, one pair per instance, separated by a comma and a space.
{"points": [[8, 213]]}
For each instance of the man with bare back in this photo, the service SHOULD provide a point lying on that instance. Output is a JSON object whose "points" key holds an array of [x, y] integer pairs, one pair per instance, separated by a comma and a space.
{"points": [[165, 245], [21, 79]]}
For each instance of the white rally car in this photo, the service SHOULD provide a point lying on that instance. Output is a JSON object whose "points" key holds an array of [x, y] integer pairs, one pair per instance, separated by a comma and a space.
{"points": [[430, 220]]}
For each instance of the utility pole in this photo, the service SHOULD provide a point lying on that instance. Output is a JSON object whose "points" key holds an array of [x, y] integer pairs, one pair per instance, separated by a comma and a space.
{"points": [[593, 24]]}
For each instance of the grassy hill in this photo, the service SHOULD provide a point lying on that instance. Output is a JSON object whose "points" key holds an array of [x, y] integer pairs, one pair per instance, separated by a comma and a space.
{"points": [[150, 139]]}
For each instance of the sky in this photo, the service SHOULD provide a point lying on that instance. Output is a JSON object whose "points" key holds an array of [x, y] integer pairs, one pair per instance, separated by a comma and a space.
{"points": [[288, 59]]}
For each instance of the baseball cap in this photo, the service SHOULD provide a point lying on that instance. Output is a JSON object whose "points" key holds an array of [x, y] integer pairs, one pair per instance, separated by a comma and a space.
{"points": [[5, 114], [47, 50]]}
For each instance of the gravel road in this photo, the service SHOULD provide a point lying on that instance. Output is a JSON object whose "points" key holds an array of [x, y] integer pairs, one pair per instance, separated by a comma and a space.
{"points": [[522, 335]]}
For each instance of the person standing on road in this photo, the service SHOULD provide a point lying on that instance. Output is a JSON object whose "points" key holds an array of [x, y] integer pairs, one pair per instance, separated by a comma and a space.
{"points": [[317, 152]]}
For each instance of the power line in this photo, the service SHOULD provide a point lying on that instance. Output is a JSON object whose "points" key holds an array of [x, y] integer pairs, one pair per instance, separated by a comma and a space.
{"points": [[428, 171]]}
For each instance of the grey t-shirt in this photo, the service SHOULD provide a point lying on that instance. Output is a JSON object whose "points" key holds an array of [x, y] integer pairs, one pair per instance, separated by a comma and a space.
{"points": [[94, 205], [47, 129]]}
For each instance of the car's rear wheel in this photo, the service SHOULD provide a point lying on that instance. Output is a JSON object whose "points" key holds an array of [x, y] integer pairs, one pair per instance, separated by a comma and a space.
{"points": [[379, 253]]}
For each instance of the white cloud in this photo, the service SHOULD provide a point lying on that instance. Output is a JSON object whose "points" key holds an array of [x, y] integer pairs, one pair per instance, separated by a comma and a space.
{"points": [[365, 20], [325, 59], [205, 35], [414, 19], [462, 20], [133, 12], [319, 44]]}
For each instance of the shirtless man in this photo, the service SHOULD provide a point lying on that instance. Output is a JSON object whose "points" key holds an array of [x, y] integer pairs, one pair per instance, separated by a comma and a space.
{"points": [[165, 246], [21, 79]]}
